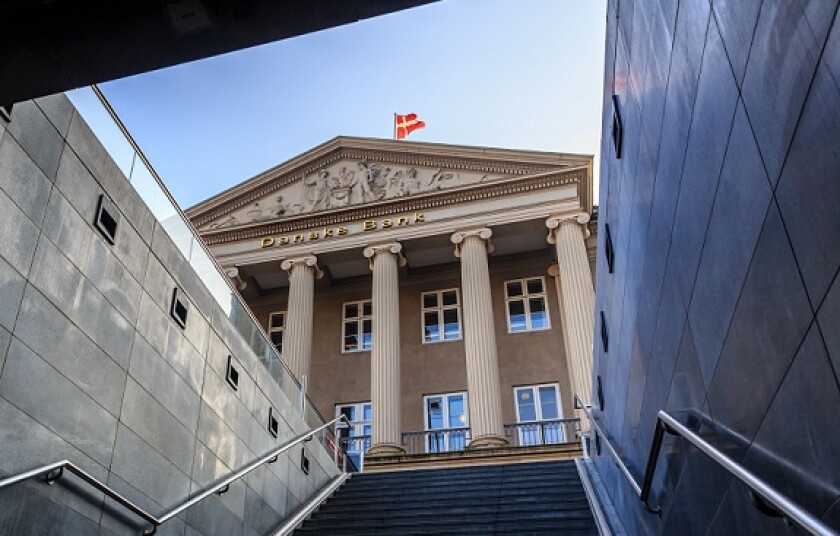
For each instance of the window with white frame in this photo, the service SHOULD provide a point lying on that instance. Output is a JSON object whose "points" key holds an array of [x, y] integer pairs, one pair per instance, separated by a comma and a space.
{"points": [[441, 315], [355, 439], [526, 305], [276, 327], [538, 414], [446, 422], [357, 326]]}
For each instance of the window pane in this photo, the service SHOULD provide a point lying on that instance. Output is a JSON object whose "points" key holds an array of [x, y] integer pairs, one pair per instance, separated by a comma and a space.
{"points": [[349, 412], [548, 403], [366, 430], [535, 286], [367, 335], [516, 309], [367, 308], [457, 416], [450, 297], [277, 338], [434, 407], [539, 319], [277, 320], [525, 401], [366, 412], [514, 288], [351, 338], [351, 310], [430, 300], [451, 327], [431, 330]]}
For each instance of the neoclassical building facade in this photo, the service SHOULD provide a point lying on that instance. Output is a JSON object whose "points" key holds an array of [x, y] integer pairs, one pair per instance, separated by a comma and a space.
{"points": [[419, 287]]}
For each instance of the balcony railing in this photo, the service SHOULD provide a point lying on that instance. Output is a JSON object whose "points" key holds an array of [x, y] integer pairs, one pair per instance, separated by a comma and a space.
{"points": [[355, 447], [553, 432], [123, 149], [434, 441]]}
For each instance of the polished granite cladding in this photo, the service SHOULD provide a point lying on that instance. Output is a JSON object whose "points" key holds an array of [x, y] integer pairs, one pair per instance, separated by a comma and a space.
{"points": [[724, 304], [94, 370]]}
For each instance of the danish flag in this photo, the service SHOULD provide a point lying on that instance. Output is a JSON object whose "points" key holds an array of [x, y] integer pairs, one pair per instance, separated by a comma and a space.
{"points": [[406, 124]]}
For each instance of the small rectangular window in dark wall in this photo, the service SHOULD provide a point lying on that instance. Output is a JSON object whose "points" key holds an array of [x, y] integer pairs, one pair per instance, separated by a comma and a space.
{"points": [[232, 375], [600, 395], [617, 127], [605, 336], [107, 219], [273, 423], [179, 308], [608, 247], [304, 461]]}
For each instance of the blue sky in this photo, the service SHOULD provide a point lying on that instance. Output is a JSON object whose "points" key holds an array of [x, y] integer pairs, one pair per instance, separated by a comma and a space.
{"points": [[522, 74]]}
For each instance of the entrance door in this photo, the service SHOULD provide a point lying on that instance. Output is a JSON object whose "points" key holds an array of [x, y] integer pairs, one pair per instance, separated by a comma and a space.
{"points": [[446, 418], [537, 411]]}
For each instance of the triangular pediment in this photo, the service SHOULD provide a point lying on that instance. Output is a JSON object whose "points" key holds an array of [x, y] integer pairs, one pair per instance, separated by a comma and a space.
{"points": [[352, 172]]}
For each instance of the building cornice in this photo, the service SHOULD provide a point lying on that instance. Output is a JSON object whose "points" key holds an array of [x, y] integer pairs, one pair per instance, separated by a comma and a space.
{"points": [[500, 188]]}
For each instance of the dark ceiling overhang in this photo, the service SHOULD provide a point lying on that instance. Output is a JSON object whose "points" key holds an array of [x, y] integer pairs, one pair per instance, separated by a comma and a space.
{"points": [[49, 46]]}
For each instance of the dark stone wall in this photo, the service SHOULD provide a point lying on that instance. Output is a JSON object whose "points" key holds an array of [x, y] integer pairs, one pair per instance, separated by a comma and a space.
{"points": [[724, 210], [94, 370]]}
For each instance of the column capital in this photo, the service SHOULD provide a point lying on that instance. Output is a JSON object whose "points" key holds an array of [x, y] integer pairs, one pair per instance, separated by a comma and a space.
{"points": [[309, 261], [484, 233], [234, 275], [393, 248], [555, 222]]}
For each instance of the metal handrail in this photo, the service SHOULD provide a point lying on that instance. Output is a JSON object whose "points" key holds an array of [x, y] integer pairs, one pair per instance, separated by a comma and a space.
{"points": [[768, 499], [54, 471]]}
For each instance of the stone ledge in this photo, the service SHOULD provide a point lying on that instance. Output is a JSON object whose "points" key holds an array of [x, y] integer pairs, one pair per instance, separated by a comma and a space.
{"points": [[487, 456]]}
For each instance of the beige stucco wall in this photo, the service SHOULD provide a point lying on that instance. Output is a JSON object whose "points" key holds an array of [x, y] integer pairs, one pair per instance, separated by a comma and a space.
{"points": [[524, 358]]}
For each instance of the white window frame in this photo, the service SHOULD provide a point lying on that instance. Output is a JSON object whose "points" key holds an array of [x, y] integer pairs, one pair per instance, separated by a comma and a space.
{"points": [[360, 321], [525, 298], [535, 389], [445, 397], [272, 330], [439, 309], [357, 427]]}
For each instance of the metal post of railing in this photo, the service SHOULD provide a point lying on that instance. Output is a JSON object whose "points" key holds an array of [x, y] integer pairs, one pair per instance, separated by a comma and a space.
{"points": [[302, 401]]}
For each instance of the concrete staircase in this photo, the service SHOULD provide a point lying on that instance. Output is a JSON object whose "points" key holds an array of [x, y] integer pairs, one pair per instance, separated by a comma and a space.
{"points": [[525, 498]]}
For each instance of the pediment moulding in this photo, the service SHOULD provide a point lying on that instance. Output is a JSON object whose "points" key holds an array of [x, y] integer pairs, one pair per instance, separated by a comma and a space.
{"points": [[402, 205], [351, 171]]}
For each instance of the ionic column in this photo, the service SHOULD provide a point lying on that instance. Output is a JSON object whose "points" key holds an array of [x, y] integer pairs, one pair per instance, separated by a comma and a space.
{"points": [[385, 260], [577, 298], [297, 341], [485, 403]]}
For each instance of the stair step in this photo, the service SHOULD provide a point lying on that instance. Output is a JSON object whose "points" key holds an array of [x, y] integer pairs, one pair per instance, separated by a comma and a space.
{"points": [[419, 513], [349, 505], [418, 493], [462, 479], [343, 503], [448, 531], [523, 468]]}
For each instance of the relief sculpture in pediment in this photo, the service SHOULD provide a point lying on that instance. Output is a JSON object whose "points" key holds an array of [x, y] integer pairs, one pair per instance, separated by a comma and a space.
{"points": [[370, 182], [344, 184]]}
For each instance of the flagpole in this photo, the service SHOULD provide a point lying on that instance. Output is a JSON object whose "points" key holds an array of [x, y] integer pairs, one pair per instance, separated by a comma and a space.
{"points": [[395, 125]]}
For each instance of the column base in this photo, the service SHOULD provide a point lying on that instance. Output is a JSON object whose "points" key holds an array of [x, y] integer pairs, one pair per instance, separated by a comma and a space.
{"points": [[386, 449], [488, 442]]}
